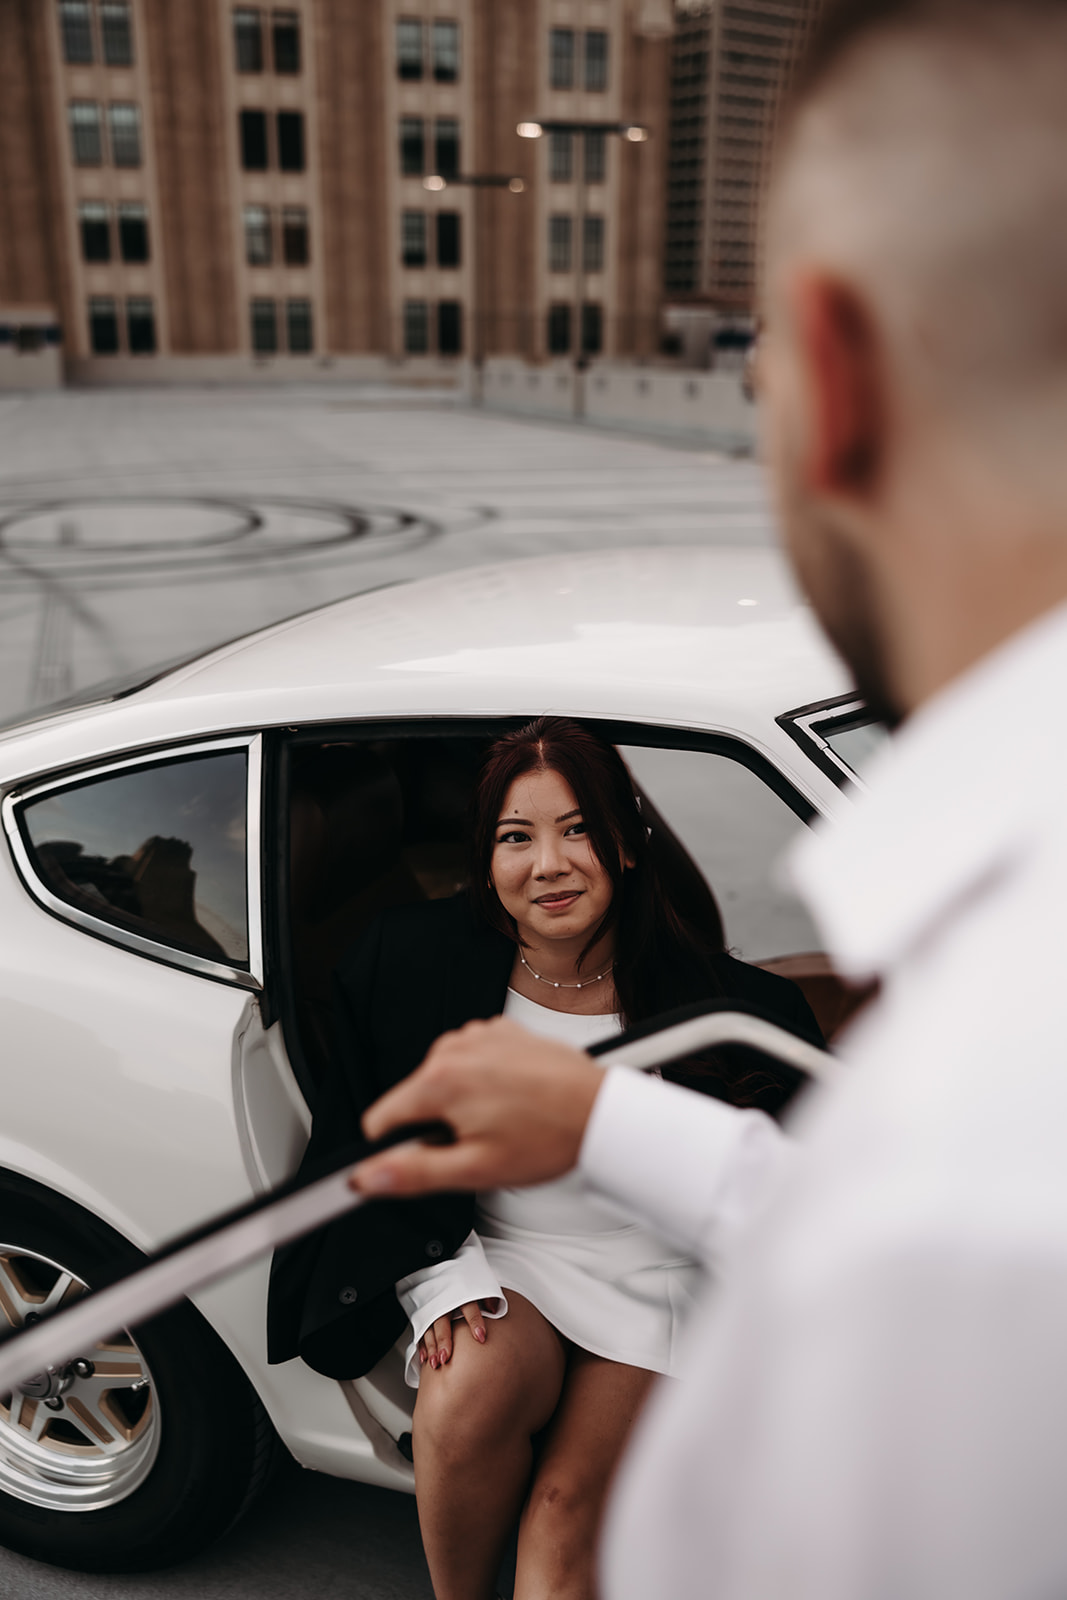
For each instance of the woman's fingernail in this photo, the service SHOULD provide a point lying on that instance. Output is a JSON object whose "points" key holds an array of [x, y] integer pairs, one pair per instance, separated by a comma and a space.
{"points": [[422, 1358], [479, 1334], [444, 1356]]}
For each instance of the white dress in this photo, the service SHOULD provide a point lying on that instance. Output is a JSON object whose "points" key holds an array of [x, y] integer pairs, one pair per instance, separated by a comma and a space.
{"points": [[607, 1284]]}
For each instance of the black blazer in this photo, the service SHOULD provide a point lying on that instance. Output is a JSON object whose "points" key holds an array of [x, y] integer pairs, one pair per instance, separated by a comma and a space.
{"points": [[419, 971]]}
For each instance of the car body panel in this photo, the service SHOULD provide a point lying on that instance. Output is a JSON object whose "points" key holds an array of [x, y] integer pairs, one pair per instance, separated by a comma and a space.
{"points": [[706, 639], [154, 1096]]}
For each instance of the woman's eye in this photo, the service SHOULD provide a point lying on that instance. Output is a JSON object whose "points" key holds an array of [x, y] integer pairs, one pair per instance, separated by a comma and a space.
{"points": [[516, 836], [576, 827]]}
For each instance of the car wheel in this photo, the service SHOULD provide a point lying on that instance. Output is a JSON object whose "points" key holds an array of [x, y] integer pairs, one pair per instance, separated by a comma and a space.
{"points": [[144, 1448]]}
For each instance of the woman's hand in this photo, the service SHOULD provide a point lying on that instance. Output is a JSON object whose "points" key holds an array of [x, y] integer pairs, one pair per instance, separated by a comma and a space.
{"points": [[435, 1346]]}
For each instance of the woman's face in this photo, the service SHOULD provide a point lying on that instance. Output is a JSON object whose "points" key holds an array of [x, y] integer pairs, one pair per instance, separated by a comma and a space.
{"points": [[543, 867]]}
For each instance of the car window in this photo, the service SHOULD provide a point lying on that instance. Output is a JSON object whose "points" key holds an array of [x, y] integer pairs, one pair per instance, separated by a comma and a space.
{"points": [[855, 743], [736, 829], [158, 850]]}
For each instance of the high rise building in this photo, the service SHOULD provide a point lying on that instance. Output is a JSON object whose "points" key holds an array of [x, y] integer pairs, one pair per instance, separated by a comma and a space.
{"points": [[204, 189], [729, 60]]}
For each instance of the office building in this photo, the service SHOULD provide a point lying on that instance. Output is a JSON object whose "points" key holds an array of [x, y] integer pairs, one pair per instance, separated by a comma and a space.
{"points": [[728, 63], [207, 190]]}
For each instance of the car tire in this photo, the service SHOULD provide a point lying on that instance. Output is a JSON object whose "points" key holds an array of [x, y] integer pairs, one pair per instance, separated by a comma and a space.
{"points": [[144, 1459]]}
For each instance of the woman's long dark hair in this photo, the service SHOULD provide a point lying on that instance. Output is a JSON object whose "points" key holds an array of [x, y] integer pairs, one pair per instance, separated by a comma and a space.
{"points": [[663, 956]]}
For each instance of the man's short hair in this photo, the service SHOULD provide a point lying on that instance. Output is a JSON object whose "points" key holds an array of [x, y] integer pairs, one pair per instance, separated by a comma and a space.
{"points": [[922, 152]]}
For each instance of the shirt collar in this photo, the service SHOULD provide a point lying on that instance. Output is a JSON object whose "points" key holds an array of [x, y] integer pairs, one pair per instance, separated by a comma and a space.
{"points": [[953, 800]]}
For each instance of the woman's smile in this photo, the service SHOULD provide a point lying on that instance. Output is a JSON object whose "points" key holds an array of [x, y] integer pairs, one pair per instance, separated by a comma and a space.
{"points": [[560, 900]]}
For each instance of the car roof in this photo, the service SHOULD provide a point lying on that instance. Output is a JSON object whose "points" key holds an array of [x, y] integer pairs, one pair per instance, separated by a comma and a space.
{"points": [[714, 638]]}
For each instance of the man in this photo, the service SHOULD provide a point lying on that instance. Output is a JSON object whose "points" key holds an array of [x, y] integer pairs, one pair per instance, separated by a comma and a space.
{"points": [[876, 1406]]}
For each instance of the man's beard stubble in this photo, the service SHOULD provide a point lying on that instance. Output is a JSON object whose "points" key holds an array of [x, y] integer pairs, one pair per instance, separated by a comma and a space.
{"points": [[842, 591]]}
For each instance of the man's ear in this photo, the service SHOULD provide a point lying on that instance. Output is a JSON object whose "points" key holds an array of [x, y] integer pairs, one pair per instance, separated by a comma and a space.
{"points": [[845, 378]]}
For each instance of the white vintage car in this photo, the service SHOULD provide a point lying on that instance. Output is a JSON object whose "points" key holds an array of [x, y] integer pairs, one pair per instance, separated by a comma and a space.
{"points": [[184, 862]]}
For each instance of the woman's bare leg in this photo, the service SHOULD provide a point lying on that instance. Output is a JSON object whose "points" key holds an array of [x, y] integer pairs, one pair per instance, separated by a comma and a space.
{"points": [[557, 1537], [474, 1418]]}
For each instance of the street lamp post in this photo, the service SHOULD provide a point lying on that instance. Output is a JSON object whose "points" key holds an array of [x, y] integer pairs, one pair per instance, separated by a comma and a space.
{"points": [[477, 181], [634, 133]]}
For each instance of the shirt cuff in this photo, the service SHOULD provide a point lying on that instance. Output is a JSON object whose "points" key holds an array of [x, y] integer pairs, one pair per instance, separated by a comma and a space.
{"points": [[693, 1168], [439, 1290]]}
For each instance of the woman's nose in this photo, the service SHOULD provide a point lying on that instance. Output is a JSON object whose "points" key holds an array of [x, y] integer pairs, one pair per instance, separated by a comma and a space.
{"points": [[550, 860]]}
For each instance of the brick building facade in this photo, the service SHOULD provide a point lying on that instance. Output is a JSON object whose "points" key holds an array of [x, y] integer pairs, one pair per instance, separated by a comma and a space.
{"points": [[208, 189]]}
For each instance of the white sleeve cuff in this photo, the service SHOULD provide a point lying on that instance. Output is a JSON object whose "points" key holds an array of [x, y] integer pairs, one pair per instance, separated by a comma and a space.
{"points": [[439, 1290], [692, 1167]]}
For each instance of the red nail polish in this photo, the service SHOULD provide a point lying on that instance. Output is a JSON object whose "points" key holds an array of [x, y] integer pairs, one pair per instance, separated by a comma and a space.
{"points": [[479, 1334]]}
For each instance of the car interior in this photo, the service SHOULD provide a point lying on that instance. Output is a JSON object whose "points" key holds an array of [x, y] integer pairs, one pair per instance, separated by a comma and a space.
{"points": [[380, 822]]}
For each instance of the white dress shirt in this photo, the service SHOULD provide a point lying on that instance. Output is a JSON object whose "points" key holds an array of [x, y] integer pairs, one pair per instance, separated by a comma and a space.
{"points": [[875, 1406]]}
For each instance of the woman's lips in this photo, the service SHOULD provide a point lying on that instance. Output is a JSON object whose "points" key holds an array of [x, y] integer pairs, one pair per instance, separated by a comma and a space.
{"points": [[558, 902]]}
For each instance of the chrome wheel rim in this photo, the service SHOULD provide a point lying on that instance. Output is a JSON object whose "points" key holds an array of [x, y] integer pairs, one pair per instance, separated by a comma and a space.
{"points": [[82, 1437]]}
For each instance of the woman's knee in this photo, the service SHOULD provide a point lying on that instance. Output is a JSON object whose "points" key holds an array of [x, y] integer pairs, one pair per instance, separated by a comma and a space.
{"points": [[471, 1405], [563, 1511]]}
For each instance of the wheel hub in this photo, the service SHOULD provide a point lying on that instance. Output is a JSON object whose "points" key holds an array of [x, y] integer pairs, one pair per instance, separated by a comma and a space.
{"points": [[81, 1436]]}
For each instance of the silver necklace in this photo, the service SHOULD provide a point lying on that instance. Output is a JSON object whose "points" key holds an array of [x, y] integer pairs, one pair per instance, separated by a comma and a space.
{"points": [[552, 984]]}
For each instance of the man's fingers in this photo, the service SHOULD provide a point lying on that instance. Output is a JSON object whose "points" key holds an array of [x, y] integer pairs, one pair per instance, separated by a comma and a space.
{"points": [[411, 1101], [416, 1169]]}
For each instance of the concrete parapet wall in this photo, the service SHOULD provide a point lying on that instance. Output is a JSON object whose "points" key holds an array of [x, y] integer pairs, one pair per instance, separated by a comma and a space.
{"points": [[165, 371], [703, 406]]}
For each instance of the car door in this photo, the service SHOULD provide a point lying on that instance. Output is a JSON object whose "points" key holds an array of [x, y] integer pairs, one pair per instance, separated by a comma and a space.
{"points": [[146, 1077]]}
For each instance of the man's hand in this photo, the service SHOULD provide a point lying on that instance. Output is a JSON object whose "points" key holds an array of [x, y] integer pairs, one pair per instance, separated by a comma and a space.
{"points": [[517, 1104]]}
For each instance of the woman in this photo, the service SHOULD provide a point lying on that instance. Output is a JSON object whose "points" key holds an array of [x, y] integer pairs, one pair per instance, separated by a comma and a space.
{"points": [[531, 1312]]}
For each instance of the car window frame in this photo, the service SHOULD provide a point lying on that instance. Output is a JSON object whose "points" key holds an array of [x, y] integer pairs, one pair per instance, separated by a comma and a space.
{"points": [[249, 975], [805, 727]]}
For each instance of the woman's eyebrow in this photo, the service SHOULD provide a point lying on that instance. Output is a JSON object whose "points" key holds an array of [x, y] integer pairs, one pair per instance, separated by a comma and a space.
{"points": [[511, 822], [567, 815]]}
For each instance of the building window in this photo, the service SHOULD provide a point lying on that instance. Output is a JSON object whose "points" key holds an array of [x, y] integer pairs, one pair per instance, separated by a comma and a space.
{"points": [[76, 24], [254, 141], [449, 328], [124, 126], [446, 52], [258, 250], [94, 220], [559, 330], [413, 238], [264, 327], [409, 49], [295, 250], [559, 244], [412, 147], [596, 156], [87, 146], [561, 58], [291, 141], [133, 231], [298, 327], [103, 326], [560, 157], [141, 326], [448, 238], [596, 60], [116, 30], [248, 39], [416, 327], [592, 329], [446, 147], [592, 244], [286, 41]]}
